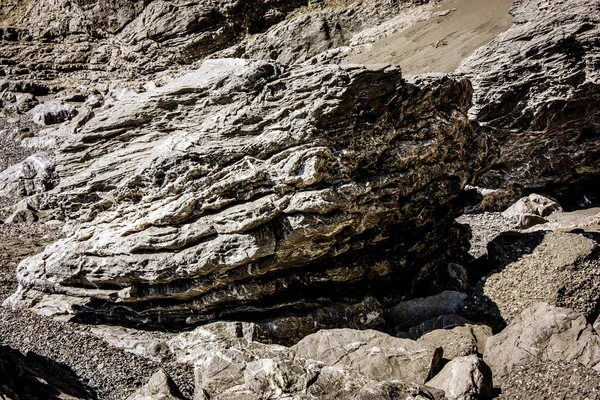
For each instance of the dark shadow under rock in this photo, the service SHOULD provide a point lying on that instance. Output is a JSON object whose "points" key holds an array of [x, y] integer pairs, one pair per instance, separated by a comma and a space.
{"points": [[34, 377]]}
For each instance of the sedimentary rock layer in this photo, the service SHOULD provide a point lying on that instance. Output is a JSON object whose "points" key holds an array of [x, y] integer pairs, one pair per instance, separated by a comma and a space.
{"points": [[253, 186], [537, 87]]}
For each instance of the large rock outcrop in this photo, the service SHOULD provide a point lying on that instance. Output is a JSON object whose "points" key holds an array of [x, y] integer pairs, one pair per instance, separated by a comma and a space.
{"points": [[51, 40], [537, 89], [250, 187]]}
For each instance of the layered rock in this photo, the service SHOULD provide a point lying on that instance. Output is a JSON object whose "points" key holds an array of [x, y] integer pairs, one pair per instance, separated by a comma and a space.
{"points": [[252, 186], [89, 39], [537, 89]]}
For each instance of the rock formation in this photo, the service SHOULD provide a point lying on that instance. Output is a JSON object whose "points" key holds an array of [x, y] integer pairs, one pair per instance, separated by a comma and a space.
{"points": [[248, 187], [537, 88], [268, 213]]}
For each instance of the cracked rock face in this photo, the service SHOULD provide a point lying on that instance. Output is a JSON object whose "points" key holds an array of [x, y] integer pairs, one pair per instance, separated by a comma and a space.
{"points": [[252, 186], [537, 87]]}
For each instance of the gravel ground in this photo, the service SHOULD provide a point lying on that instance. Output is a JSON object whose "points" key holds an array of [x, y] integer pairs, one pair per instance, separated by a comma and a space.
{"points": [[552, 381], [485, 227]]}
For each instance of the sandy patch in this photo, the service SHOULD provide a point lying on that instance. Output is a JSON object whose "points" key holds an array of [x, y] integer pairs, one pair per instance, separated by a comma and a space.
{"points": [[454, 31]]}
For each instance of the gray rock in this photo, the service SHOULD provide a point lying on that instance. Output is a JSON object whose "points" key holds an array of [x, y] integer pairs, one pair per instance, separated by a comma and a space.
{"points": [[22, 102], [239, 189], [532, 204], [543, 333], [529, 211], [412, 312], [543, 141], [33, 175], [526, 221], [459, 341], [159, 387], [465, 378], [52, 113], [230, 364], [374, 354]]}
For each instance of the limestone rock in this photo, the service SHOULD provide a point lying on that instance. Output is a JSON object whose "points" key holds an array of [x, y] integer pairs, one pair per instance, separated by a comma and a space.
{"points": [[52, 113], [240, 189], [412, 312], [159, 387], [532, 204], [230, 364], [289, 330], [465, 378], [150, 345], [543, 333], [33, 175], [374, 354], [529, 211], [459, 341], [532, 86]]}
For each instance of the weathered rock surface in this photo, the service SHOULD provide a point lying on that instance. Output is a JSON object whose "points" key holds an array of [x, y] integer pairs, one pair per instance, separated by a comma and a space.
{"points": [[33, 175], [460, 340], [58, 40], [410, 313], [465, 378], [159, 387], [374, 354], [537, 89], [530, 211], [52, 113], [230, 364], [543, 333], [250, 187]]}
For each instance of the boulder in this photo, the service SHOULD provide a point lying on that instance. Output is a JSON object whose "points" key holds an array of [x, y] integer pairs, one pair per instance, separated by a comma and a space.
{"points": [[532, 204], [459, 341], [413, 312], [33, 175], [230, 364], [159, 387], [529, 211], [465, 378], [374, 354], [543, 333], [52, 113], [532, 85], [238, 190]]}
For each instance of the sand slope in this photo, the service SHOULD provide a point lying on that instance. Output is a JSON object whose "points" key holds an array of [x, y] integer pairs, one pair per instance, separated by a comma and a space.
{"points": [[455, 30]]}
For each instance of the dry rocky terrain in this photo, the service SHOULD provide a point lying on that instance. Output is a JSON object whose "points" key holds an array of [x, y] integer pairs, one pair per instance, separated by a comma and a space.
{"points": [[293, 199]]}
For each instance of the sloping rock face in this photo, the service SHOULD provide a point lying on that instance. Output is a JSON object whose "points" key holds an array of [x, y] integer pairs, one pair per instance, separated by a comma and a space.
{"points": [[252, 186], [78, 38], [537, 87]]}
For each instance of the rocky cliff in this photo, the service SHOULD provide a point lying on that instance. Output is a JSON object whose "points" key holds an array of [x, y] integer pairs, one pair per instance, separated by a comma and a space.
{"points": [[249, 187], [220, 161], [536, 87]]}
